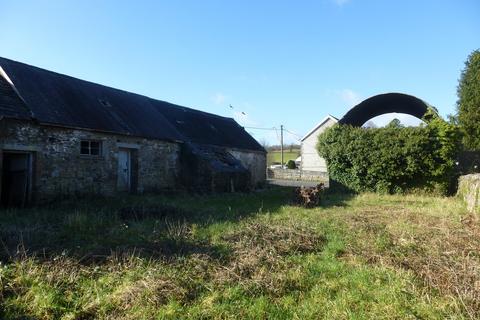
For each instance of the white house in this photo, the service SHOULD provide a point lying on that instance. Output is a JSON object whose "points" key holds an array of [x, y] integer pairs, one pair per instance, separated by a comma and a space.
{"points": [[311, 161]]}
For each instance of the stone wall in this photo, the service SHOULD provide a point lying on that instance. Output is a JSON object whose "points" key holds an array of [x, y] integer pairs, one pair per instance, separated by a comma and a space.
{"points": [[299, 175], [59, 168], [469, 191], [209, 168], [469, 162], [255, 162]]}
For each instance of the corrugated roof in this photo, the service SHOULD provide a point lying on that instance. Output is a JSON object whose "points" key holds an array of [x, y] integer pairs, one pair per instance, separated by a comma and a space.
{"points": [[58, 99]]}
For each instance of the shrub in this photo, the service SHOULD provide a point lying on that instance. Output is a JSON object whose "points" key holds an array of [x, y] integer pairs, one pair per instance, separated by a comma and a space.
{"points": [[291, 164], [468, 104], [392, 159]]}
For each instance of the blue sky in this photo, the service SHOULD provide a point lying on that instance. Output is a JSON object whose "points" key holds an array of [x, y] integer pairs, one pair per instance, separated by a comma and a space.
{"points": [[279, 62]]}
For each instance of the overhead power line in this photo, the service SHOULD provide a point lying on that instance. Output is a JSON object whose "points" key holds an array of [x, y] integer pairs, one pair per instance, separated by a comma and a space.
{"points": [[293, 133], [259, 128]]}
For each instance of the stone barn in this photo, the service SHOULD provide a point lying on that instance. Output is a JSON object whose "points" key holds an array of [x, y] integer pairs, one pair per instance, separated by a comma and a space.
{"points": [[62, 136]]}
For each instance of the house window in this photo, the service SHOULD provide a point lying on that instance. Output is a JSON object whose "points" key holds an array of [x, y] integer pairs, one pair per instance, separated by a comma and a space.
{"points": [[91, 147]]}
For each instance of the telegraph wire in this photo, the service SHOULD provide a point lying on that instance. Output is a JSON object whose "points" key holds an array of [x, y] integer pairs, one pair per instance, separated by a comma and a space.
{"points": [[295, 135], [299, 137], [260, 128]]}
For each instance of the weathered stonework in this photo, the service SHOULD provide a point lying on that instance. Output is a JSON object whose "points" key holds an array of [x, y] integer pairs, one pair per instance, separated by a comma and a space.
{"points": [[469, 191], [255, 162], [59, 169], [298, 175]]}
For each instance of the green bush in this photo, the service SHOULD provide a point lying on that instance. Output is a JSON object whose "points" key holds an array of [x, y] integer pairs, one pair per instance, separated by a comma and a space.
{"points": [[291, 164], [392, 159], [468, 104]]}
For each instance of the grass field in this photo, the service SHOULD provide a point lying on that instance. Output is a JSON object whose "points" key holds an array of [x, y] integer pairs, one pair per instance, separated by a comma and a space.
{"points": [[275, 156], [241, 256]]}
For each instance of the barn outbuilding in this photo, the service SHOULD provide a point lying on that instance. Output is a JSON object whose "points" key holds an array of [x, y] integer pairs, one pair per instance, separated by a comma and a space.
{"points": [[62, 136]]}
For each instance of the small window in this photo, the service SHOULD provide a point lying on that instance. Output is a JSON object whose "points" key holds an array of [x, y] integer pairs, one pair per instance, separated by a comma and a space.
{"points": [[90, 147]]}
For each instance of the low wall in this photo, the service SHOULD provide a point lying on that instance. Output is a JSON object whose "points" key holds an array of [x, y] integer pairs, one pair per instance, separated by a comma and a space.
{"points": [[299, 175], [469, 190], [468, 162]]}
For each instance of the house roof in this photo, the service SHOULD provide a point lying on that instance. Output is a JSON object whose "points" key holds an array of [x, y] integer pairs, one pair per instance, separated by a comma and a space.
{"points": [[28, 92], [321, 123]]}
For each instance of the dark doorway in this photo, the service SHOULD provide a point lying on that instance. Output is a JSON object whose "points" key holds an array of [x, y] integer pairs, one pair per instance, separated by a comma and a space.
{"points": [[16, 179]]}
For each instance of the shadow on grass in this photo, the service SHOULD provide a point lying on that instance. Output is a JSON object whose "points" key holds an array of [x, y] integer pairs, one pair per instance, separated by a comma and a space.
{"points": [[18, 316], [333, 198], [337, 195], [150, 226]]}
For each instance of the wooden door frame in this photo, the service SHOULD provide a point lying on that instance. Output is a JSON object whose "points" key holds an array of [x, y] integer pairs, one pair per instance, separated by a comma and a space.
{"points": [[129, 155]]}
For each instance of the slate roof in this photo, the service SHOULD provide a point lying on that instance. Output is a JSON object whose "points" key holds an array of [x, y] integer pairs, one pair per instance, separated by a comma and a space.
{"points": [[206, 128], [57, 99], [11, 105]]}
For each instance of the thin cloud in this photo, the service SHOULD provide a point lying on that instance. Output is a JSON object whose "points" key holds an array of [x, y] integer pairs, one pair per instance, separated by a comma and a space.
{"points": [[340, 3], [219, 98], [350, 97]]}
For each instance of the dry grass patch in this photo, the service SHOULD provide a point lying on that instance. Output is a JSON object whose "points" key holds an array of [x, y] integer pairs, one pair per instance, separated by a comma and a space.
{"points": [[440, 248], [259, 255]]}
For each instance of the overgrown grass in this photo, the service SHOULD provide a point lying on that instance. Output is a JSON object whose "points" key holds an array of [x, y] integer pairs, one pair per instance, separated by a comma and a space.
{"points": [[241, 256]]}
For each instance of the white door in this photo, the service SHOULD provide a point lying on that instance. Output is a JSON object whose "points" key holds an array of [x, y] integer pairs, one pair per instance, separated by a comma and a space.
{"points": [[124, 168]]}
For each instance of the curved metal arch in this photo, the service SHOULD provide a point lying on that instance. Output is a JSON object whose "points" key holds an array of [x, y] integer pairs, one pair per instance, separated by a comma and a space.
{"points": [[385, 103]]}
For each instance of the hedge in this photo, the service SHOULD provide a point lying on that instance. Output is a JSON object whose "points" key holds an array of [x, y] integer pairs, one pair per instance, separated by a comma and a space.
{"points": [[393, 159]]}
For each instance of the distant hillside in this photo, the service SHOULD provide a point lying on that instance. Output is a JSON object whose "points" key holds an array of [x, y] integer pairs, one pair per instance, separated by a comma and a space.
{"points": [[287, 147], [275, 156]]}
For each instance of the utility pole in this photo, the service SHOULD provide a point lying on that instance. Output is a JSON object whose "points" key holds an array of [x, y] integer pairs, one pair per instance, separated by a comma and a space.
{"points": [[281, 142]]}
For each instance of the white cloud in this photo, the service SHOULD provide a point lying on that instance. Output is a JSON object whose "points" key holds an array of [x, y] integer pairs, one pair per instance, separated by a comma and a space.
{"points": [[350, 97], [340, 2], [219, 98]]}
